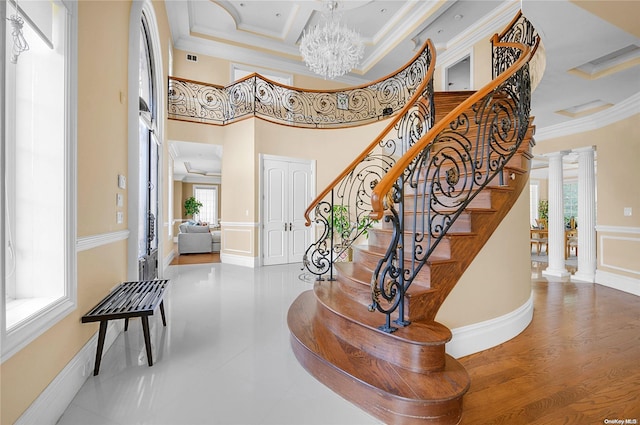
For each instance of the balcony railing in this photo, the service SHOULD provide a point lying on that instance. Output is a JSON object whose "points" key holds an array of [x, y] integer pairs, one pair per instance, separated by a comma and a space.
{"points": [[257, 96]]}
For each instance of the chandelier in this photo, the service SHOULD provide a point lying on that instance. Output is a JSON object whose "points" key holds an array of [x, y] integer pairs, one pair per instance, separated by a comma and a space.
{"points": [[329, 49]]}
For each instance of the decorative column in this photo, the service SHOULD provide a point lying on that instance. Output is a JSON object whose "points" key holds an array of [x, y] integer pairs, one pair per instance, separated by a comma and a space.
{"points": [[556, 218], [586, 216]]}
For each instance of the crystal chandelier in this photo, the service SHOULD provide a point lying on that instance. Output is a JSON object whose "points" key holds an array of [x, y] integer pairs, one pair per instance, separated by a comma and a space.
{"points": [[329, 49]]}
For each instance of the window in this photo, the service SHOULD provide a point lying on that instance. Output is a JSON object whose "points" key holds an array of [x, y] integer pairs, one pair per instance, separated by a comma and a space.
{"points": [[38, 249], [534, 197], [570, 200], [208, 196]]}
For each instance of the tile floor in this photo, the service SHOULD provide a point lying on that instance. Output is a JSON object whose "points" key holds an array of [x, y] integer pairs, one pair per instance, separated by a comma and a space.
{"points": [[224, 358]]}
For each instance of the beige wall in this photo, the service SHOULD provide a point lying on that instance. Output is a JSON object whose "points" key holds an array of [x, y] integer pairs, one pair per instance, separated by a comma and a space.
{"points": [[218, 71], [618, 150], [499, 279], [103, 46]]}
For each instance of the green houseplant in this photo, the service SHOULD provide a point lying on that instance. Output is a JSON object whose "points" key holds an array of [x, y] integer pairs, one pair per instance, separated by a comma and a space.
{"points": [[192, 206], [543, 209]]}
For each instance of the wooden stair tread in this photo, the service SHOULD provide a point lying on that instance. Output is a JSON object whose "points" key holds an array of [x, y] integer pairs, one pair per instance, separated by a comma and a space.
{"points": [[330, 295]]}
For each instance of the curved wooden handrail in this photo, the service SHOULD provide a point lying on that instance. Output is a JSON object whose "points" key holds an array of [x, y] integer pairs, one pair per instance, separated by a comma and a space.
{"points": [[377, 140], [496, 37], [384, 186]]}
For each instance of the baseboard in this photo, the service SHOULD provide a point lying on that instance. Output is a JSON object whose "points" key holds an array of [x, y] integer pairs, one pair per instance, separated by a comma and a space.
{"points": [[167, 260], [616, 281], [481, 336], [239, 260], [54, 400]]}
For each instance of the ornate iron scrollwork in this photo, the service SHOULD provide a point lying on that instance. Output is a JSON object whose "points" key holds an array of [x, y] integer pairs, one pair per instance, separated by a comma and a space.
{"points": [[260, 97], [449, 172]]}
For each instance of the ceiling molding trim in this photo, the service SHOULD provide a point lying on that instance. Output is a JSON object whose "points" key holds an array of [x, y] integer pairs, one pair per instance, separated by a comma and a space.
{"points": [[424, 11], [620, 111], [482, 30]]}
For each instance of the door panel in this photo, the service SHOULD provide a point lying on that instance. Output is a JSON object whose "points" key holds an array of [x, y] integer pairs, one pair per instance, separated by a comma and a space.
{"points": [[299, 234], [287, 193], [275, 199]]}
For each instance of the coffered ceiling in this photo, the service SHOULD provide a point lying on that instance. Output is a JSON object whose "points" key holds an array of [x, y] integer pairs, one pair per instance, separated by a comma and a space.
{"points": [[592, 51]]}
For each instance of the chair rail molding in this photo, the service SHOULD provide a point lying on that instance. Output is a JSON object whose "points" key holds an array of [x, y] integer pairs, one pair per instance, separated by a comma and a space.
{"points": [[86, 243]]}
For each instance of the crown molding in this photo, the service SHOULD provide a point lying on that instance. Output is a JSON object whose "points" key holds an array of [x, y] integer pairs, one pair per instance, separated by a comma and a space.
{"points": [[482, 30], [618, 112]]}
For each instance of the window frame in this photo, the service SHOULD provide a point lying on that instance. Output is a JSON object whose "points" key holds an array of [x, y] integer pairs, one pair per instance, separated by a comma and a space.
{"points": [[26, 331]]}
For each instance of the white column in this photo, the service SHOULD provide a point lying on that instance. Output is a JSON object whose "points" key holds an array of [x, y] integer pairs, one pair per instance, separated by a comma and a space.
{"points": [[586, 216], [556, 218]]}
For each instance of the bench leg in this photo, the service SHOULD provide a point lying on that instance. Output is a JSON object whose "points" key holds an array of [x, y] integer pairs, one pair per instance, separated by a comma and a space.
{"points": [[126, 324], [101, 334], [147, 338], [164, 319]]}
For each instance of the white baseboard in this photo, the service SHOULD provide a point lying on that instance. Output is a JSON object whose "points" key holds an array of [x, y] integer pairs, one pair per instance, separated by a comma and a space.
{"points": [[54, 400], [239, 260], [484, 335], [168, 259], [616, 281]]}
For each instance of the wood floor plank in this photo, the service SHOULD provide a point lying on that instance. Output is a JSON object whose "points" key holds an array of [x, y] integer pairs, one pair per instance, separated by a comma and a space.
{"points": [[578, 362]]}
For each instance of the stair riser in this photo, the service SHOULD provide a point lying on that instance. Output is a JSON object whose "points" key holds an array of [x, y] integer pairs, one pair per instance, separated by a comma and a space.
{"points": [[415, 357], [370, 261], [463, 181], [386, 408], [461, 225], [361, 293], [383, 238], [421, 203]]}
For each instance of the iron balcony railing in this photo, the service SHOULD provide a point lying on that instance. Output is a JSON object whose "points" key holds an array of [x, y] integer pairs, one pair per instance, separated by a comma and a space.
{"points": [[257, 96]]}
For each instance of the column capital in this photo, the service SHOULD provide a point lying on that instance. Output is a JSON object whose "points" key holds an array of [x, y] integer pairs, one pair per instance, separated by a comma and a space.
{"points": [[585, 149]]}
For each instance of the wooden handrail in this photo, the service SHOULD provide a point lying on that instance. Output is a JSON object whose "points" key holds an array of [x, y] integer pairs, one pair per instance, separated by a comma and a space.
{"points": [[384, 186], [410, 103]]}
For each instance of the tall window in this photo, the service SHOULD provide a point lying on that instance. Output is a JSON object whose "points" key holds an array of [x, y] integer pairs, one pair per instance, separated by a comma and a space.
{"points": [[38, 208], [534, 197], [149, 154], [208, 196], [570, 195]]}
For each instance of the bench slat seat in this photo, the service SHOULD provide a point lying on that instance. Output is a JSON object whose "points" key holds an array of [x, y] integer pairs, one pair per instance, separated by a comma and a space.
{"points": [[129, 299]]}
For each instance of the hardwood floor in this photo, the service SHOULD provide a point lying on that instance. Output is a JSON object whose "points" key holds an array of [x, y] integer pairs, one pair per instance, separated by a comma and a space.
{"points": [[212, 257], [578, 362]]}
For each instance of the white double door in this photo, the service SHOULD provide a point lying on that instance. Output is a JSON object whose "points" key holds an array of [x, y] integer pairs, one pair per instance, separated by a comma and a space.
{"points": [[287, 192]]}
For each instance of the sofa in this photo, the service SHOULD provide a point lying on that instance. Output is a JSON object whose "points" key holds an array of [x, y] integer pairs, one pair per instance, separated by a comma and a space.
{"points": [[193, 238]]}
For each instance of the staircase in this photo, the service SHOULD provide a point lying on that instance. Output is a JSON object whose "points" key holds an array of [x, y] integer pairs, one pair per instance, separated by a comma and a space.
{"points": [[437, 205]]}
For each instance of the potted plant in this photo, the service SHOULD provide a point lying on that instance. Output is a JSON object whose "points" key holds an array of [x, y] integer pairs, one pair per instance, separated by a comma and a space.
{"points": [[192, 206], [543, 211]]}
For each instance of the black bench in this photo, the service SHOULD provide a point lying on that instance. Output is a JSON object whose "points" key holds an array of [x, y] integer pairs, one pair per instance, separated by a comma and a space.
{"points": [[129, 299]]}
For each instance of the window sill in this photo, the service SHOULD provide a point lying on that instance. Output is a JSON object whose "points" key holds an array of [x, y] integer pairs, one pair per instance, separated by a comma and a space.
{"points": [[21, 309]]}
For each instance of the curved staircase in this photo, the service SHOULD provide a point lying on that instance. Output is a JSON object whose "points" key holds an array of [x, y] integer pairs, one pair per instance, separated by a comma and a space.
{"points": [[437, 205]]}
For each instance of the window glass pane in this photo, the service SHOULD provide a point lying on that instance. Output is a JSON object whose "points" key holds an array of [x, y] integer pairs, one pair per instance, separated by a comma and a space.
{"points": [[570, 191], [36, 176], [208, 196], [145, 75]]}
